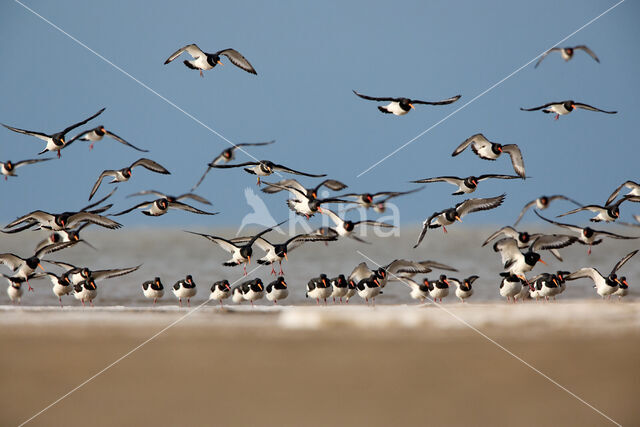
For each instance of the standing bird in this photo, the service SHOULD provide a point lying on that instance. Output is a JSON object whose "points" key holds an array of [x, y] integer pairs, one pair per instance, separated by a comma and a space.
{"points": [[439, 289], [543, 202], [277, 290], [587, 235], [124, 174], [339, 288], [220, 290], [605, 286], [319, 288], [369, 289], [153, 289], [488, 150], [86, 290], [265, 168], [160, 207], [252, 290], [185, 288], [451, 215], [97, 133], [510, 286], [8, 168], [464, 289], [207, 61], [61, 285], [563, 108], [465, 185], [607, 213], [344, 228], [567, 53], [401, 106], [518, 263], [631, 185], [351, 290], [55, 141], [226, 156], [545, 286], [241, 252], [623, 288]]}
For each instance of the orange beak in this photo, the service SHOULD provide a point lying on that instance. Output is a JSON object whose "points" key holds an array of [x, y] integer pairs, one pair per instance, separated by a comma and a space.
{"points": [[320, 210], [219, 62], [248, 260], [40, 265], [260, 286], [458, 218], [573, 106], [446, 281], [411, 105], [500, 149], [285, 256], [376, 282], [542, 261], [284, 283]]}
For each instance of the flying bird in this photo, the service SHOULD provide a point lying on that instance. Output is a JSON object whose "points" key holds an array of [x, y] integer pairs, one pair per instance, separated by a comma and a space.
{"points": [[368, 200], [517, 263], [207, 61], [161, 206], [543, 202], [55, 141], [523, 238], [170, 198], [345, 228], [401, 106], [465, 185], [97, 133], [8, 168], [265, 168], [488, 150], [631, 185], [451, 215], [310, 193], [226, 156], [607, 213], [304, 203], [563, 108], [605, 286], [567, 53], [70, 235], [124, 174]]}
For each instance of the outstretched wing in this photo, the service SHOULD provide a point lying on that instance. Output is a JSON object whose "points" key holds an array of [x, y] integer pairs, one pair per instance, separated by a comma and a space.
{"points": [[195, 197], [590, 108], [480, 204], [223, 243], [75, 125], [100, 220], [425, 228], [620, 263], [192, 49], [188, 208], [540, 107], [591, 273], [574, 228], [138, 206], [478, 138], [449, 179], [39, 135], [506, 231], [116, 272], [238, 60], [544, 55], [589, 51], [615, 193], [443, 102], [103, 175], [10, 260], [122, 141], [282, 168], [29, 162], [373, 98], [552, 241], [151, 165], [592, 208], [516, 158]]}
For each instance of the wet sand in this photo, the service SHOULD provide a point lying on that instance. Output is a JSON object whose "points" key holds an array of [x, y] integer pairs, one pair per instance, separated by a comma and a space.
{"points": [[303, 366]]}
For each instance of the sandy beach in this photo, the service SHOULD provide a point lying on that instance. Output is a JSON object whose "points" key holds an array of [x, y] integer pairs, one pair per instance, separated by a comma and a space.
{"points": [[404, 365]]}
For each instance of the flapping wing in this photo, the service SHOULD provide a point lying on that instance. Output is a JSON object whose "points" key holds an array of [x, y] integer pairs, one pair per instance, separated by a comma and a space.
{"points": [[96, 219], [540, 107], [154, 192], [75, 125], [54, 248], [188, 208], [561, 197], [425, 228], [516, 158], [223, 243], [138, 206], [94, 204], [508, 249], [10, 260], [360, 272], [29, 162], [449, 179], [490, 176], [334, 217], [552, 241], [615, 236], [192, 49], [281, 185], [620, 263], [544, 55], [506, 231], [122, 141], [238, 165], [103, 175], [195, 197], [238, 60], [116, 272], [331, 184], [254, 144], [443, 102], [573, 228], [590, 108], [374, 223], [474, 205], [373, 98], [282, 168], [615, 193], [39, 135], [35, 216], [151, 165], [589, 51], [592, 208], [591, 273], [478, 138]]}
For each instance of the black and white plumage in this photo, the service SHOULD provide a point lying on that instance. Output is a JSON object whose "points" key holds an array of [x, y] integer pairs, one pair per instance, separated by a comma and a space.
{"points": [[265, 168], [185, 289], [464, 289], [567, 53], [587, 235], [344, 228], [61, 285], [419, 291], [545, 286], [86, 290], [631, 185], [607, 213], [563, 108], [171, 198], [369, 289], [489, 150], [465, 185], [153, 289], [278, 252], [251, 290], [14, 290], [122, 175], [207, 61], [339, 287], [303, 203], [220, 290], [543, 202], [226, 156], [518, 263], [396, 270], [99, 132], [623, 288], [377, 201], [241, 252], [310, 193], [277, 290], [523, 238], [511, 285], [160, 207], [319, 288], [401, 106], [78, 274], [8, 168], [59, 236], [439, 289], [55, 141], [63, 221], [605, 286], [451, 215]]}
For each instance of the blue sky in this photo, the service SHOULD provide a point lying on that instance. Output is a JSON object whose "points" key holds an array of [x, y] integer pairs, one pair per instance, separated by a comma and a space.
{"points": [[309, 56]]}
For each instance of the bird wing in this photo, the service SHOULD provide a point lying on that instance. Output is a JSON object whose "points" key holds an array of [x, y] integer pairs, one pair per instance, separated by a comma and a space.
{"points": [[39, 135], [334, 217], [151, 165], [223, 243], [189, 208], [54, 248], [100, 220], [490, 176], [331, 184], [205, 173], [115, 272], [540, 107], [615, 193], [614, 236], [253, 144], [239, 165], [192, 49], [589, 51], [29, 162], [94, 204], [117, 138], [561, 197], [544, 55], [574, 228], [443, 102], [425, 228], [35, 216], [620, 263], [405, 266], [478, 138], [194, 197], [376, 223], [590, 108], [516, 158], [10, 260], [474, 205], [257, 236], [372, 98], [138, 206], [391, 195], [238, 60], [154, 192], [591, 273], [282, 168], [282, 184], [104, 174], [75, 125], [508, 249], [361, 271], [593, 208], [450, 179], [552, 241], [506, 231]]}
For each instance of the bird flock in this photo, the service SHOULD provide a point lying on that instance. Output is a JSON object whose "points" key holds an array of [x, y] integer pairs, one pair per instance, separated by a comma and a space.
{"points": [[519, 250]]}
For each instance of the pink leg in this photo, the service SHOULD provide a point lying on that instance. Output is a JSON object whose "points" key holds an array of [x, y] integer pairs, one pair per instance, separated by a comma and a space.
{"points": [[60, 300], [30, 288], [91, 146], [201, 75], [589, 251], [444, 228], [82, 302], [275, 302], [281, 272], [220, 303], [91, 303], [245, 269], [180, 302], [154, 301], [273, 270], [58, 153], [252, 304]]}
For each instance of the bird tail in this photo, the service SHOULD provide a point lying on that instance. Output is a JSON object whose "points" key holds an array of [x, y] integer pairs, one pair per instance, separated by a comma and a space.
{"points": [[384, 110], [190, 65]]}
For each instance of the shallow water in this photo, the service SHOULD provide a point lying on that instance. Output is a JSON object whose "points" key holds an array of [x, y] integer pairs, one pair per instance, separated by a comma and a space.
{"points": [[171, 254]]}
